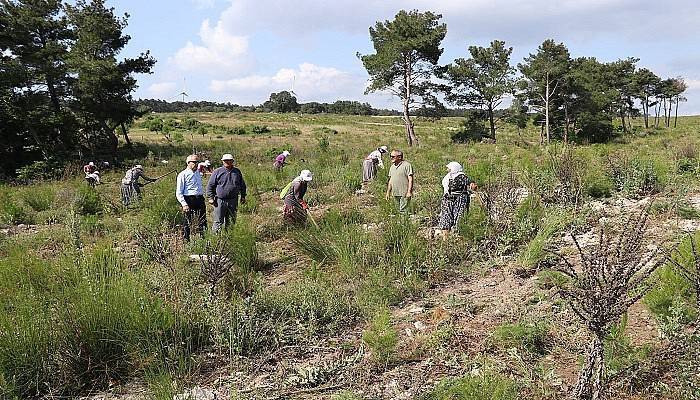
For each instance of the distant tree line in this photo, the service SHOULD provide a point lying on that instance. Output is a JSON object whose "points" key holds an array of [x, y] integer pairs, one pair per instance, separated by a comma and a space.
{"points": [[568, 98], [283, 102], [63, 92]]}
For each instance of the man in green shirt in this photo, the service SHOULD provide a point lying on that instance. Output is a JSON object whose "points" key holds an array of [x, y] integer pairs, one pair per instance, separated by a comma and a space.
{"points": [[400, 181]]}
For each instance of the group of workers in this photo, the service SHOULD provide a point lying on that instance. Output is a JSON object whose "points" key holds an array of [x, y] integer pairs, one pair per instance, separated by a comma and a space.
{"points": [[226, 189]]}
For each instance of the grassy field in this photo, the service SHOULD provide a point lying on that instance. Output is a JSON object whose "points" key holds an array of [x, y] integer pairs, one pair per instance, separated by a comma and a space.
{"points": [[95, 297]]}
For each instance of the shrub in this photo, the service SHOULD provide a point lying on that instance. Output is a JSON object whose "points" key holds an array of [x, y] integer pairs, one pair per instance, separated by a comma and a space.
{"points": [[237, 130], [635, 177], [39, 198], [258, 129], [323, 143], [381, 337], [12, 213], [87, 201], [486, 386], [472, 128]]}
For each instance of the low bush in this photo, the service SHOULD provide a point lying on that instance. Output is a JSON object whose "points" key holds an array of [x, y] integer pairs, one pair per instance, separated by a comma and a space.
{"points": [[87, 201], [39, 198]]}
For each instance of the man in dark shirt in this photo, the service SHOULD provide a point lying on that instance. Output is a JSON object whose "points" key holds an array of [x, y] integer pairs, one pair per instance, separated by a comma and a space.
{"points": [[225, 185]]}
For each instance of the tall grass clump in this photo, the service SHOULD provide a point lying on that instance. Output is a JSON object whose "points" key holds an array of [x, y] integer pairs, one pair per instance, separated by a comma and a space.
{"points": [[84, 323], [160, 206], [484, 386], [38, 197], [381, 337]]}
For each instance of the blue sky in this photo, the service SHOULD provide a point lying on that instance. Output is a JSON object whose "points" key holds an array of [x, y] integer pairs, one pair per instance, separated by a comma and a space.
{"points": [[240, 51]]}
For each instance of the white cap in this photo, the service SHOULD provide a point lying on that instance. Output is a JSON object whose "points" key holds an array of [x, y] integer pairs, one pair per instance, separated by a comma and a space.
{"points": [[286, 153], [92, 164], [383, 149], [306, 175], [227, 156], [138, 166]]}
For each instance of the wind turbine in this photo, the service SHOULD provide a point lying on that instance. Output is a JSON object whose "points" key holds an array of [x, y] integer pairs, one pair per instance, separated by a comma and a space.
{"points": [[184, 90]]}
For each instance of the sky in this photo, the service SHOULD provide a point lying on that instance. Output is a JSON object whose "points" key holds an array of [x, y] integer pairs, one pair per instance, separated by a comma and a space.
{"points": [[240, 51]]}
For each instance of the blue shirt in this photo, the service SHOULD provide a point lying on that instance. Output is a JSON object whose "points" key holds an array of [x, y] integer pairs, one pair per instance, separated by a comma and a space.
{"points": [[189, 183]]}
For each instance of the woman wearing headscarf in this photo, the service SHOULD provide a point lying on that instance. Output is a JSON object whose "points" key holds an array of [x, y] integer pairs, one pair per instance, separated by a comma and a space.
{"points": [[294, 205], [279, 162], [456, 188], [371, 162]]}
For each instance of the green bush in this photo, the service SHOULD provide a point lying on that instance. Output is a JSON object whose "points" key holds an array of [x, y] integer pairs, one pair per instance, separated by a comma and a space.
{"points": [[530, 337], [258, 129], [635, 177], [87, 201], [381, 337], [39, 198], [486, 386], [12, 213]]}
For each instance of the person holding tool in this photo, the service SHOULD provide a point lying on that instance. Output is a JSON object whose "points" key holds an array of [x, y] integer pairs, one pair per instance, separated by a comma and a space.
{"points": [[225, 185], [295, 208], [131, 188], [190, 195]]}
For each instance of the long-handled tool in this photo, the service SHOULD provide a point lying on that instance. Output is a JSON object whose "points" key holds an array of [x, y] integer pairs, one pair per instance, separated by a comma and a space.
{"points": [[162, 176], [312, 219]]}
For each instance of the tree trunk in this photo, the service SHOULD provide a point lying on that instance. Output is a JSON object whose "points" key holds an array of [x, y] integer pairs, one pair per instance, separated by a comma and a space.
{"points": [[590, 380], [622, 118], [546, 108], [126, 135], [408, 124], [492, 122], [645, 110], [675, 121], [657, 113], [670, 108], [566, 124]]}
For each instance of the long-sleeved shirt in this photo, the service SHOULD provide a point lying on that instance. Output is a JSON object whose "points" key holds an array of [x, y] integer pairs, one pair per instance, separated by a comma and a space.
{"points": [[189, 183], [296, 192], [226, 184], [132, 176], [376, 156]]}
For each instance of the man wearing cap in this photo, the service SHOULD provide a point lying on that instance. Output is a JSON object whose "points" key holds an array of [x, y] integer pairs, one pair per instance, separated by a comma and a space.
{"points": [[131, 188], [371, 162], [190, 195], [225, 185]]}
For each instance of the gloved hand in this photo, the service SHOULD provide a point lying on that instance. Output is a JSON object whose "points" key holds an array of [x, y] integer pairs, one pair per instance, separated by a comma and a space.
{"points": [[304, 205]]}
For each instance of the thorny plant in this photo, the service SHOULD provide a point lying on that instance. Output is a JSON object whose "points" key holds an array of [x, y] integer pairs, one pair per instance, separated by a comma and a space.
{"points": [[215, 262], [568, 170], [689, 269], [159, 245], [610, 277]]}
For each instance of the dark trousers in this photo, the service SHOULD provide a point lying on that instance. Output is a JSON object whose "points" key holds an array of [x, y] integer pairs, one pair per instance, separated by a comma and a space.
{"points": [[198, 212], [225, 212]]}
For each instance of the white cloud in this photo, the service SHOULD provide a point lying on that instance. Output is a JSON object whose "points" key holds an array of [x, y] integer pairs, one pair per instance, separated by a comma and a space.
{"points": [[162, 89], [693, 84], [310, 82], [220, 50]]}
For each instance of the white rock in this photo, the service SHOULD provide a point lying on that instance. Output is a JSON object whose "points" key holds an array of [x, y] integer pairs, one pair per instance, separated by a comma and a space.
{"points": [[420, 325], [196, 393]]}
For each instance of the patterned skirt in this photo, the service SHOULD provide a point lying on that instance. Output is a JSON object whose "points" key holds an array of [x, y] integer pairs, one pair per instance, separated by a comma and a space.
{"points": [[369, 170], [294, 214], [451, 210]]}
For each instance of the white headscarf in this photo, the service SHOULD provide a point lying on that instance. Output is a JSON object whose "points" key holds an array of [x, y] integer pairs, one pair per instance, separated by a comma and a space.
{"points": [[455, 169]]}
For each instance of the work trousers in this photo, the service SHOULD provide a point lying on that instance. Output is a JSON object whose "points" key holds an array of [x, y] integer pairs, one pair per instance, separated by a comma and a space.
{"points": [[403, 204], [224, 213], [197, 213]]}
